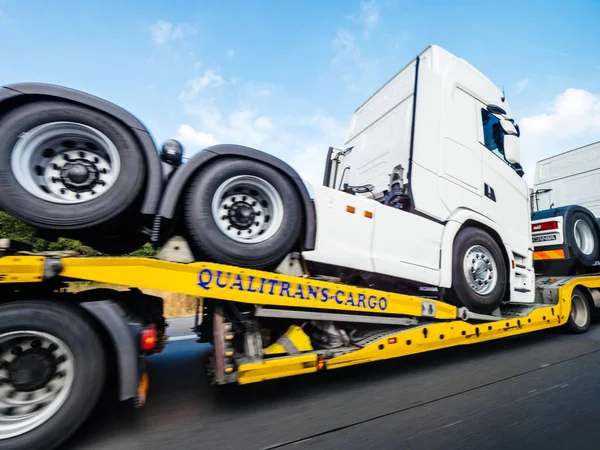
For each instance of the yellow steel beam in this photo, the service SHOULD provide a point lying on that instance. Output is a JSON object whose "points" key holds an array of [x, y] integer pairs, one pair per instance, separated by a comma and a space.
{"points": [[21, 269], [247, 286], [448, 334], [277, 368]]}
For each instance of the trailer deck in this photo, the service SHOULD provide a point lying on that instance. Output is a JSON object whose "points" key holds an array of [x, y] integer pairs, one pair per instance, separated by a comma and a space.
{"points": [[407, 324]]}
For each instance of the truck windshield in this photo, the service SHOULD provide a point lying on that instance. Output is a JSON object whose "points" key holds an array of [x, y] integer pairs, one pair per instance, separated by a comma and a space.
{"points": [[492, 136]]}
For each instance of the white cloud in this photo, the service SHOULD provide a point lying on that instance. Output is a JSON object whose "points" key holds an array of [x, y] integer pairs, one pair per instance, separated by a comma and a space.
{"points": [[163, 32], [241, 126], [177, 34], [521, 85], [352, 48], [195, 140], [195, 85], [367, 18], [344, 45], [369, 15], [574, 112], [571, 120], [347, 53], [230, 53], [301, 141]]}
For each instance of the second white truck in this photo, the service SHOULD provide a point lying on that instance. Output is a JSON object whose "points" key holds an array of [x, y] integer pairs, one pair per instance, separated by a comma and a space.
{"points": [[565, 201]]}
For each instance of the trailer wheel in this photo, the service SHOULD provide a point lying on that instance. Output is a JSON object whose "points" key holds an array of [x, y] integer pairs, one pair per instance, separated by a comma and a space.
{"points": [[52, 370], [479, 275], [583, 239], [242, 212], [581, 312], [64, 167]]}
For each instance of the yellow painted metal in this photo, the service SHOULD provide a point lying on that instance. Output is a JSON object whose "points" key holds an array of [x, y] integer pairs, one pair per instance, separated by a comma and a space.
{"points": [[443, 335], [256, 287], [21, 269], [457, 332], [296, 336], [246, 286], [271, 369]]}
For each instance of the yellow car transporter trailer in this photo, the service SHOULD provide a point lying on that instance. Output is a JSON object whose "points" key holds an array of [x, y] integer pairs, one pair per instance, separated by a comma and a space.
{"points": [[56, 347]]}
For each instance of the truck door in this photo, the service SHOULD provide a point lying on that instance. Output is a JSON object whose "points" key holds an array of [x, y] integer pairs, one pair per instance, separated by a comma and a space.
{"points": [[506, 197], [461, 185]]}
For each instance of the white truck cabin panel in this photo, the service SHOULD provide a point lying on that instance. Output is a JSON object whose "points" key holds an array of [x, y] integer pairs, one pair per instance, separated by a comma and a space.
{"points": [[380, 132], [570, 178], [406, 244], [345, 232]]}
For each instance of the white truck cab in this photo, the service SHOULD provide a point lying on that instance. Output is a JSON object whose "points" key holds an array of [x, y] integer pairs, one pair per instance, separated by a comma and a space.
{"points": [[433, 152]]}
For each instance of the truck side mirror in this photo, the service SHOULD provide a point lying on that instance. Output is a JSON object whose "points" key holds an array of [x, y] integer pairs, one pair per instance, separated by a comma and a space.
{"points": [[519, 169], [511, 148], [508, 127]]}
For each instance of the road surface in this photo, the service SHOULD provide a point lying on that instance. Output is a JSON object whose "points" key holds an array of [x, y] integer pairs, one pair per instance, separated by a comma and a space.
{"points": [[536, 391]]}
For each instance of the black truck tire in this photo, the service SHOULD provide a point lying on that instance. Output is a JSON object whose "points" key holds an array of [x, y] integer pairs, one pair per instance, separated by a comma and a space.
{"points": [[580, 318], [64, 167], [58, 354], [242, 212], [479, 273], [582, 238]]}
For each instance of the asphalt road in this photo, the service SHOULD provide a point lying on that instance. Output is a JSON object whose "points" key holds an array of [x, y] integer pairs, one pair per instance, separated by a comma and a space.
{"points": [[529, 392]]}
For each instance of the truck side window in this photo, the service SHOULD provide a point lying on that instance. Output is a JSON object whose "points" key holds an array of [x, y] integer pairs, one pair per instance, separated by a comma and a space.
{"points": [[492, 134]]}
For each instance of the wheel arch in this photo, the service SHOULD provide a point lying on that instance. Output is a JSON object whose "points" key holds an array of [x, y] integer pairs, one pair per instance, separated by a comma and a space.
{"points": [[16, 95], [179, 181], [458, 222], [118, 342]]}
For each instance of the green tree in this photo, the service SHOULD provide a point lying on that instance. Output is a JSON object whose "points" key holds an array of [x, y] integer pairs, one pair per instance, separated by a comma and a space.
{"points": [[14, 229]]}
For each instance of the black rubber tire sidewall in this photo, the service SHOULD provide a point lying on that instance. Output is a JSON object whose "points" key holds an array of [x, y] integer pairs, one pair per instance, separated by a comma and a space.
{"points": [[43, 214], [572, 327], [210, 241], [461, 293], [584, 260], [67, 324]]}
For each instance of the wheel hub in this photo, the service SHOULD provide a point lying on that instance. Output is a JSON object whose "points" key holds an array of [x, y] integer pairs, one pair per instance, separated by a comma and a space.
{"points": [[480, 270], [31, 370], [80, 175], [241, 215], [37, 371], [65, 162], [247, 209]]}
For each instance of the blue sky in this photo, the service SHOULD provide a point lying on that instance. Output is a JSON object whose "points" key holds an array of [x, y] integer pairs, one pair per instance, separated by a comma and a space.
{"points": [[285, 76]]}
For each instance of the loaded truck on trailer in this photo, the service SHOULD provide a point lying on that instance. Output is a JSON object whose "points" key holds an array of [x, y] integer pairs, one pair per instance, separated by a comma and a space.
{"points": [[419, 238], [565, 201]]}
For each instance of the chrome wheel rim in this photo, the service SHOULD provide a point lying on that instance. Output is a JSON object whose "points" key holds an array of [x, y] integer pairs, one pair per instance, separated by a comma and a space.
{"points": [[579, 312], [480, 270], [247, 209], [36, 376], [65, 162], [584, 237]]}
